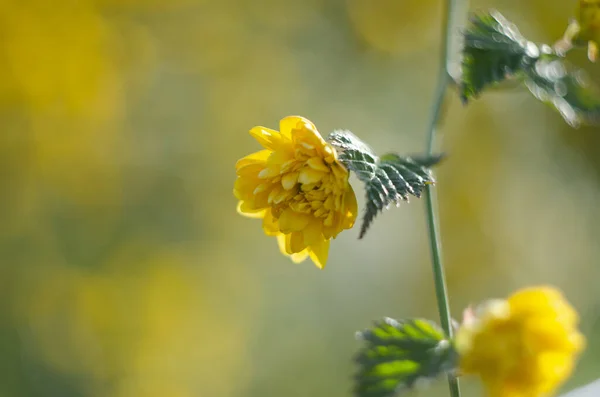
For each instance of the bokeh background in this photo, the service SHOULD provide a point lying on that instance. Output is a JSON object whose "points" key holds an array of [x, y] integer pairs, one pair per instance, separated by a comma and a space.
{"points": [[124, 268]]}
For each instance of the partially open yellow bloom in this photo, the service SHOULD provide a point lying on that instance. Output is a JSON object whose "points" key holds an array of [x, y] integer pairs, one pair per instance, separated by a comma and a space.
{"points": [[585, 31], [589, 22], [524, 346], [298, 187]]}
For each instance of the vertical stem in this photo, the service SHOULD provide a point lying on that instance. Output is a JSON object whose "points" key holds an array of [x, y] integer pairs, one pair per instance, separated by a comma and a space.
{"points": [[430, 197]]}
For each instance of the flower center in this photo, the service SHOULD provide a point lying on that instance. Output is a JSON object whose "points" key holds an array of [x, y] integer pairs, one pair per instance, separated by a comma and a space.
{"points": [[306, 184]]}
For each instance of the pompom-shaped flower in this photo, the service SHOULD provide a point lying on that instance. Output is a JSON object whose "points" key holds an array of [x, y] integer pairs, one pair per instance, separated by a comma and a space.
{"points": [[524, 346], [298, 187]]}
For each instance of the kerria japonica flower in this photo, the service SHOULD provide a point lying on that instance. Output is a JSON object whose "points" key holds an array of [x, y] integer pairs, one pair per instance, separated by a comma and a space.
{"points": [[298, 187], [524, 346]]}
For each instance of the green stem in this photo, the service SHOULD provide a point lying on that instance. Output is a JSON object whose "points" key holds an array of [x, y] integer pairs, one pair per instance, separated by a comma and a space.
{"points": [[430, 197]]}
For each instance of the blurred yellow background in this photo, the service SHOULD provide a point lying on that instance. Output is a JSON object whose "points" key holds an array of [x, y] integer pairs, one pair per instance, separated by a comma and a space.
{"points": [[125, 270]]}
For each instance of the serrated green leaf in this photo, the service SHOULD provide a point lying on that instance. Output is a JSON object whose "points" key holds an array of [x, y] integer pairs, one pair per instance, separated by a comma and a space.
{"points": [[557, 83], [494, 49], [389, 179], [399, 353]]}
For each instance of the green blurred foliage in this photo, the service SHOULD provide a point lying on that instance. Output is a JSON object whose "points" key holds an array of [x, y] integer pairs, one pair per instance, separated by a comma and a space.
{"points": [[125, 270]]}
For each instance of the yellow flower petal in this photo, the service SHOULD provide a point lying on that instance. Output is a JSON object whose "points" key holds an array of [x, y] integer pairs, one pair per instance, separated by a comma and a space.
{"points": [[309, 175], [340, 172], [329, 232], [317, 163], [319, 253], [288, 181], [529, 301], [300, 256], [307, 136], [289, 123], [269, 172], [295, 242], [296, 258], [555, 364], [259, 157], [330, 156], [243, 209], [243, 188], [268, 138], [292, 221], [281, 243], [250, 170], [260, 201], [313, 233], [270, 225], [351, 208]]}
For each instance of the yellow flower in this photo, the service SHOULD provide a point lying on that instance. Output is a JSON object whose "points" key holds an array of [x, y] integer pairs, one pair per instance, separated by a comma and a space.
{"points": [[298, 187], [524, 346], [585, 31], [589, 21]]}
